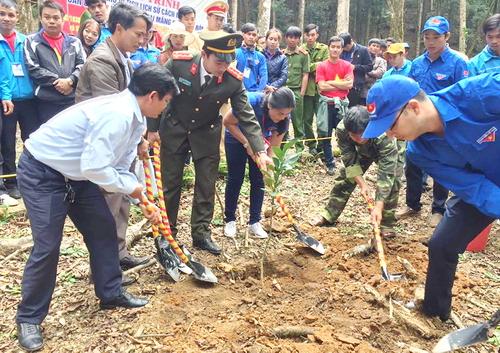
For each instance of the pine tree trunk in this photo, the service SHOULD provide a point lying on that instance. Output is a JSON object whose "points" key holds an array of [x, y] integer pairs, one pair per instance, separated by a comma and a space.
{"points": [[302, 10], [419, 27], [264, 15], [234, 14], [396, 7], [462, 46], [27, 22], [343, 16]]}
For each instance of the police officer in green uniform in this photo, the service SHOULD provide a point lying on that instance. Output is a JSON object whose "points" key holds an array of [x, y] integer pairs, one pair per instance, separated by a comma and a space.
{"points": [[357, 154], [192, 123], [318, 52], [298, 73]]}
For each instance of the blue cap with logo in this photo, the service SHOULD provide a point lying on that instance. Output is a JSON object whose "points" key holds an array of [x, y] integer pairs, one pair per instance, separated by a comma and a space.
{"points": [[438, 24], [385, 98]]}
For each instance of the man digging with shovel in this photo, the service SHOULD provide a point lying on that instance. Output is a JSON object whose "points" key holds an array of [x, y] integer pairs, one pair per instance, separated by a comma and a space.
{"points": [[453, 139], [64, 164], [357, 154]]}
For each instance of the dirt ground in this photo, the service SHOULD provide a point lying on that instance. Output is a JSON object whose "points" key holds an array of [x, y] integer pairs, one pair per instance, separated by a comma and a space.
{"points": [[329, 303]]}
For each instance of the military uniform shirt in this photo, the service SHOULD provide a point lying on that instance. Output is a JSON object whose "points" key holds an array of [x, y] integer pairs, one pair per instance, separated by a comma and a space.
{"points": [[298, 64], [317, 54], [382, 149]]}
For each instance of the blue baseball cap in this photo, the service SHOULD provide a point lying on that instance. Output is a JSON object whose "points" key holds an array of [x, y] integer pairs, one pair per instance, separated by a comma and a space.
{"points": [[438, 24], [384, 100]]}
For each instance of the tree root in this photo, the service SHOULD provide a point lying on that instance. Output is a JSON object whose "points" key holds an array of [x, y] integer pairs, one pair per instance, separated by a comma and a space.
{"points": [[294, 331]]}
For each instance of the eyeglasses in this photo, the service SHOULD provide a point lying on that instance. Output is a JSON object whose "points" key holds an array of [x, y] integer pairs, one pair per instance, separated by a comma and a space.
{"points": [[397, 118]]}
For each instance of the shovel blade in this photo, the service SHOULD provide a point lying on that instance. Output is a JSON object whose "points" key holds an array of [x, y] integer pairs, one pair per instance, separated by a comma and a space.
{"points": [[202, 273], [309, 241], [167, 258], [462, 338]]}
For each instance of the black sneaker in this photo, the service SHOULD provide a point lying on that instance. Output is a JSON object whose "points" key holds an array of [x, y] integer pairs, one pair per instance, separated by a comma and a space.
{"points": [[29, 336], [330, 170]]}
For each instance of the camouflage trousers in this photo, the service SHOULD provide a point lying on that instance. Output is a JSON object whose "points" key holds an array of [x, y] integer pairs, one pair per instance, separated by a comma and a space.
{"points": [[343, 188]]}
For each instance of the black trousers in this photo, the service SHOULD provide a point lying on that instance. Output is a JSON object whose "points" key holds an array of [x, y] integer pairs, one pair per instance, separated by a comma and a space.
{"points": [[414, 188], [43, 190], [461, 223], [48, 109], [25, 113]]}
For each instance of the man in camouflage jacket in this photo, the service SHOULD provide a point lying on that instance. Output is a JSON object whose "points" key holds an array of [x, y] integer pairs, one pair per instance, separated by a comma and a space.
{"points": [[357, 155]]}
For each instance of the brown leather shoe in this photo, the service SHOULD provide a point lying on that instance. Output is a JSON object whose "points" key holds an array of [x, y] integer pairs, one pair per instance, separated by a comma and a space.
{"points": [[320, 221], [406, 212]]}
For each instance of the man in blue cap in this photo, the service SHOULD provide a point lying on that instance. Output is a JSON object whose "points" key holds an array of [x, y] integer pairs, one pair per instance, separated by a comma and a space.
{"points": [[453, 138], [436, 69]]}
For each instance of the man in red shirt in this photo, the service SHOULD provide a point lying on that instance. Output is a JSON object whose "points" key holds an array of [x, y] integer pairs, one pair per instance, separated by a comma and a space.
{"points": [[334, 78]]}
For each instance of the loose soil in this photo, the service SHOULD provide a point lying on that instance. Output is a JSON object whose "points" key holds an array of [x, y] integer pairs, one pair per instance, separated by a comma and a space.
{"points": [[328, 296]]}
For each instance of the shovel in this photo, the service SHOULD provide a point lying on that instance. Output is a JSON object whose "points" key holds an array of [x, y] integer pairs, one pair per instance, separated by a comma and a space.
{"points": [[380, 249], [467, 336], [200, 272], [164, 252], [301, 236]]}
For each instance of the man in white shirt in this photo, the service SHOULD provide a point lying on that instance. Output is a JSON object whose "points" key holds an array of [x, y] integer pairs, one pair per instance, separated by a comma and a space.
{"points": [[65, 163]]}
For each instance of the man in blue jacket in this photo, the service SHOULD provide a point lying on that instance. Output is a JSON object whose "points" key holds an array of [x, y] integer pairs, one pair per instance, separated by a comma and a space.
{"points": [[250, 61], [488, 60], [453, 139], [16, 93]]}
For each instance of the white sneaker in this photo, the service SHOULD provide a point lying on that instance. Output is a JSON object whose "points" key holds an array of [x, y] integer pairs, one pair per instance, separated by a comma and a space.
{"points": [[230, 229], [256, 231], [8, 201]]}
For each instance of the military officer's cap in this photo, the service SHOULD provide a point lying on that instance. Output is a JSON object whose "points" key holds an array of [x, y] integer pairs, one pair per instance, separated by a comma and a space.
{"points": [[223, 44], [218, 8]]}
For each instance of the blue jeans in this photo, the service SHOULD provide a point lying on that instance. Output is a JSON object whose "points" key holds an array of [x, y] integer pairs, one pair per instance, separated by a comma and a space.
{"points": [[326, 146], [414, 187], [461, 223], [43, 190], [237, 159]]}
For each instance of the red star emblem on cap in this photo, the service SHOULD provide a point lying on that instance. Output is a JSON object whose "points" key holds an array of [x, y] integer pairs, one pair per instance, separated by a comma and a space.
{"points": [[371, 107]]}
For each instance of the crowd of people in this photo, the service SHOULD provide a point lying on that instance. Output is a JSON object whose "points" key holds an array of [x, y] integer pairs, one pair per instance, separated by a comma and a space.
{"points": [[89, 105]]}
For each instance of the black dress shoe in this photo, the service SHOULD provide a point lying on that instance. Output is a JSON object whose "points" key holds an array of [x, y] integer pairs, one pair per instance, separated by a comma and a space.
{"points": [[208, 245], [124, 300], [130, 261], [14, 193], [29, 336], [127, 281]]}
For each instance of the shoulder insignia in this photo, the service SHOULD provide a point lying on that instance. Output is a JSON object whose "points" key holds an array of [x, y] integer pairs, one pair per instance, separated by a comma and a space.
{"points": [[193, 69], [235, 72], [219, 80], [182, 55], [303, 51]]}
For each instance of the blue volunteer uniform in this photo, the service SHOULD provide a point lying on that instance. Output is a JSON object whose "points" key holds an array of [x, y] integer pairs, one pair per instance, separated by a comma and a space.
{"points": [[105, 33], [254, 67], [435, 75], [486, 62], [404, 70], [466, 161], [143, 56]]}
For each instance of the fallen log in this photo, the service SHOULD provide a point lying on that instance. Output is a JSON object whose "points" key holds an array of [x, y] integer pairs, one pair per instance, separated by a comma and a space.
{"points": [[9, 246], [136, 232]]}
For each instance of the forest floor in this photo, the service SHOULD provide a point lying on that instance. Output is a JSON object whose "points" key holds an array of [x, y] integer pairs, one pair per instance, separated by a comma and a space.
{"points": [[330, 303]]}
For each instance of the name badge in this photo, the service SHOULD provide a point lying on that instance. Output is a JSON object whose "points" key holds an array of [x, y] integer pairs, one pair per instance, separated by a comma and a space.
{"points": [[246, 72], [17, 69], [184, 81]]}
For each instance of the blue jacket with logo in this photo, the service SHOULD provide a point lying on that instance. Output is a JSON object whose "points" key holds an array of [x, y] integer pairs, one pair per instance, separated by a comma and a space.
{"points": [[484, 63], [467, 159], [435, 75], [12, 87]]}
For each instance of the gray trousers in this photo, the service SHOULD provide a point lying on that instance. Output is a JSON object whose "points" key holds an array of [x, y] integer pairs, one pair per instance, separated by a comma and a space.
{"points": [[120, 209]]}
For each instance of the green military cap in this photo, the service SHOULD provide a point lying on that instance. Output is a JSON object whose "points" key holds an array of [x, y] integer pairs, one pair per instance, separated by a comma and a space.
{"points": [[223, 44]]}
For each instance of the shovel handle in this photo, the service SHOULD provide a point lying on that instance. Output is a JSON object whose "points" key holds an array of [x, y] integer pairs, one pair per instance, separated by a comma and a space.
{"points": [[378, 242], [159, 183], [288, 215], [149, 192], [167, 233]]}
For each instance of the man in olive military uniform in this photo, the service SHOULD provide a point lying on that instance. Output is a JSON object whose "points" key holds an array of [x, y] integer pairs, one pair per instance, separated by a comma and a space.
{"points": [[298, 74], [357, 154], [192, 123], [318, 52]]}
